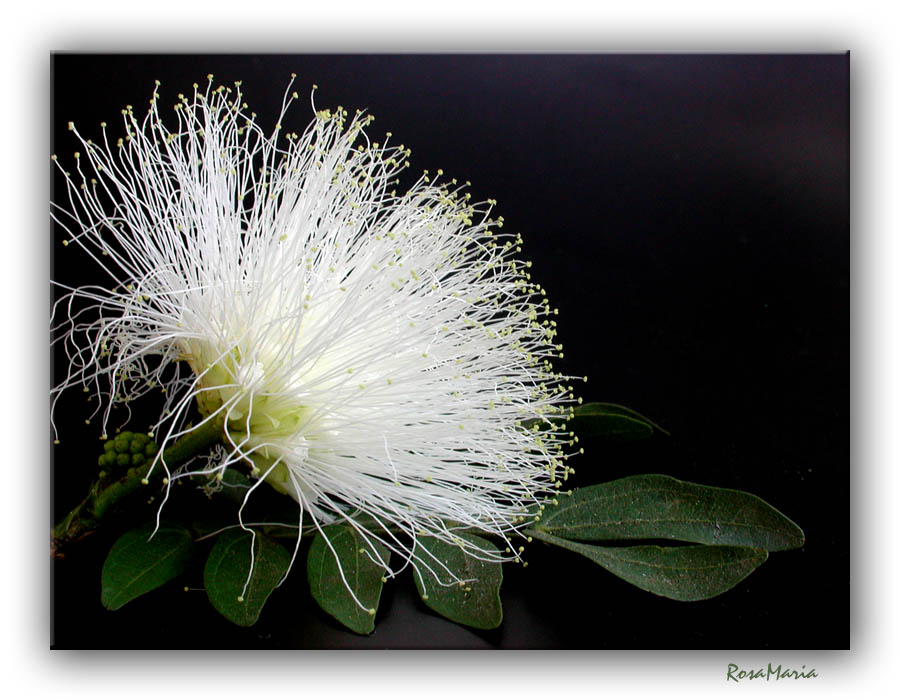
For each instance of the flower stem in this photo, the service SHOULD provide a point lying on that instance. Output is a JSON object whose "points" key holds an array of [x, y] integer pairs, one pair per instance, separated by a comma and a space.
{"points": [[84, 518]]}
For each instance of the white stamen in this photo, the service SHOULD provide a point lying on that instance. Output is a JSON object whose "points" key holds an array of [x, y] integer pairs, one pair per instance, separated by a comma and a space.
{"points": [[371, 353]]}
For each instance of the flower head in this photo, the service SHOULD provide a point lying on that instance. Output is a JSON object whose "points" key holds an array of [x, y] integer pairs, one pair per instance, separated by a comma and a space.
{"points": [[370, 352]]}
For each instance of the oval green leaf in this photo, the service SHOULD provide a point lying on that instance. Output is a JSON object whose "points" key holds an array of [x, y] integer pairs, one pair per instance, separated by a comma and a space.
{"points": [[226, 570], [689, 573], [609, 420], [475, 604], [137, 563], [656, 506], [361, 570], [233, 485]]}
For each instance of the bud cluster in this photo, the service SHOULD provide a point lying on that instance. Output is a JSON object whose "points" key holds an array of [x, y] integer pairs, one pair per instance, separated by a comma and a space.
{"points": [[127, 449]]}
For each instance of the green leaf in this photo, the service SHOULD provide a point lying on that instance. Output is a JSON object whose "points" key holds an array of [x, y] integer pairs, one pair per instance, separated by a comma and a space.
{"points": [[477, 603], [226, 573], [657, 506], [233, 485], [609, 420], [362, 573], [689, 573], [137, 564]]}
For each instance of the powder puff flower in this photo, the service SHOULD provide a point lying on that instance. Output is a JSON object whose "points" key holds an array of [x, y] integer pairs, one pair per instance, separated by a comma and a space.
{"points": [[381, 357]]}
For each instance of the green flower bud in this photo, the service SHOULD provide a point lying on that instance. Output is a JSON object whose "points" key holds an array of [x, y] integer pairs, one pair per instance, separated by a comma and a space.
{"points": [[122, 443], [123, 460], [151, 448], [137, 460], [109, 446]]}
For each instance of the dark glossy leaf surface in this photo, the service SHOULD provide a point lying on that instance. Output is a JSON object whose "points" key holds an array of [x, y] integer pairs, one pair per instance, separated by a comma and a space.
{"points": [[655, 506], [361, 572], [477, 602], [688, 573], [136, 563], [234, 485], [609, 420], [227, 569]]}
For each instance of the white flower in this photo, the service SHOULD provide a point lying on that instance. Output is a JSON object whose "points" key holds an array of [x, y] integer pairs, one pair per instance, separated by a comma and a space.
{"points": [[370, 351]]}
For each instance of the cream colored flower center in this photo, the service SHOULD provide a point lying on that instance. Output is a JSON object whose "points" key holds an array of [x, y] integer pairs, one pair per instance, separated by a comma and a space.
{"points": [[259, 420]]}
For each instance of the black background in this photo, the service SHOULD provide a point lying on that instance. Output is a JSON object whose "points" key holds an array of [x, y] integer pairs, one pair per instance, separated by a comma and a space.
{"points": [[689, 216]]}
